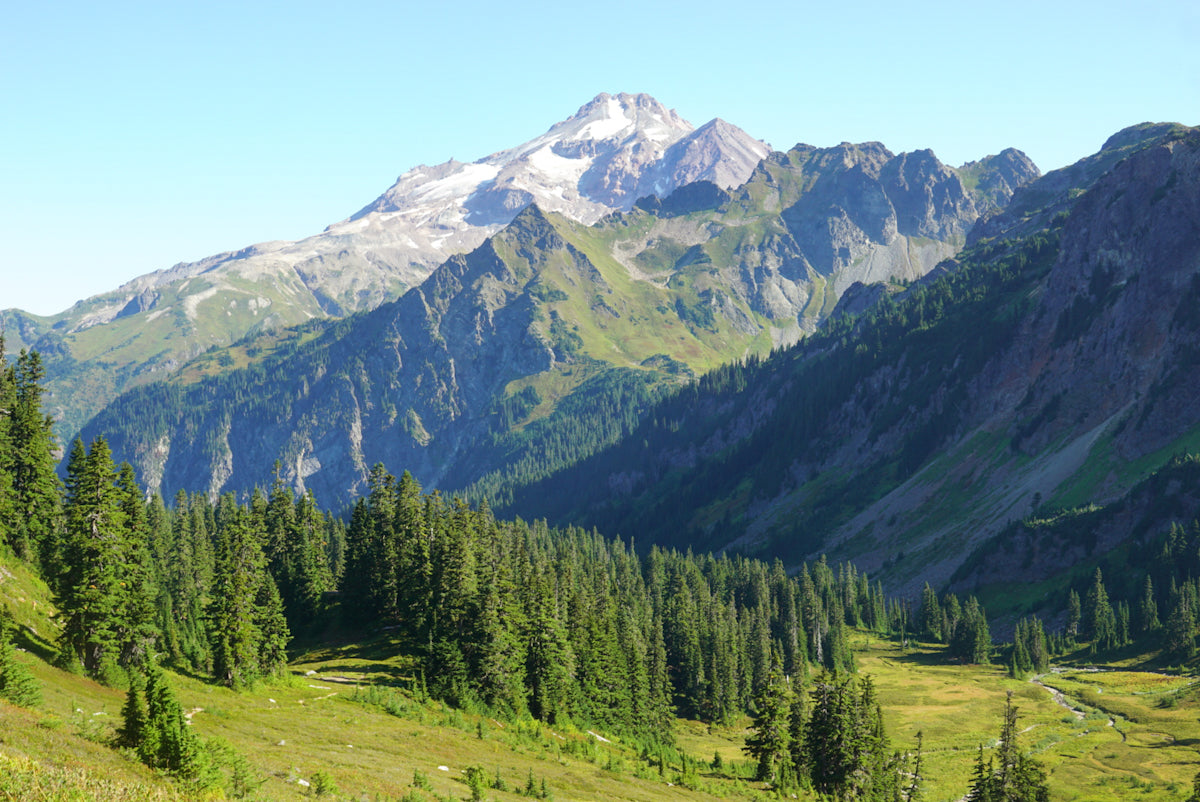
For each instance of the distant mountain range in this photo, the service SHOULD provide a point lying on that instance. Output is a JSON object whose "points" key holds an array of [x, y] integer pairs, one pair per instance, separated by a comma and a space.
{"points": [[548, 340], [613, 151]]}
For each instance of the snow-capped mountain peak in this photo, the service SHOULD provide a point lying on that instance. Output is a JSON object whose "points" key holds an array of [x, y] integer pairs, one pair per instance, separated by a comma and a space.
{"points": [[586, 166]]}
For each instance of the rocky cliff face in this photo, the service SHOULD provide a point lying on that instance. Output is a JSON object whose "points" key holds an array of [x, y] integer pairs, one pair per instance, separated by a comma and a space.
{"points": [[675, 286], [1099, 382], [1054, 362]]}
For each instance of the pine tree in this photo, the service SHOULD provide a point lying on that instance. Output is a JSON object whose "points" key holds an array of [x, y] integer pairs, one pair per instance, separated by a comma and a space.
{"points": [[916, 777], [828, 738], [1147, 620], [500, 654], [1015, 776], [769, 740], [1074, 614], [549, 661], [272, 626], [930, 616], [138, 632], [17, 684], [248, 630], [972, 641], [132, 731], [1179, 637], [91, 599], [797, 727], [9, 522], [233, 631], [981, 780], [1099, 621], [35, 486], [168, 742]]}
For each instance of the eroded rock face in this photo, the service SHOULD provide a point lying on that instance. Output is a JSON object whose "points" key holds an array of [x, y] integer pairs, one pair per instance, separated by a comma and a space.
{"points": [[1118, 326]]}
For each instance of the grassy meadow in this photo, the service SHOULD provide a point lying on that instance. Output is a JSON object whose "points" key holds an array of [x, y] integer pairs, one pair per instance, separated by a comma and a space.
{"points": [[345, 724]]}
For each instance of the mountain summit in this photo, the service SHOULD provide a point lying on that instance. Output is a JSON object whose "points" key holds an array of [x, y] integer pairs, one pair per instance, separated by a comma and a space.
{"points": [[611, 152]]}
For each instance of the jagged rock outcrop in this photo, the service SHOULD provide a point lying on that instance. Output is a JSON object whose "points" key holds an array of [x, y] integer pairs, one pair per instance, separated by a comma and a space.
{"points": [[1056, 362]]}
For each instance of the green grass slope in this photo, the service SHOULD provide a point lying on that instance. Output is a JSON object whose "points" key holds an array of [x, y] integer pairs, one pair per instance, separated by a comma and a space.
{"points": [[346, 722]]}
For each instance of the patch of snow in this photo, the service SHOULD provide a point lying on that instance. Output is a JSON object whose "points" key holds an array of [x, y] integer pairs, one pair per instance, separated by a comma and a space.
{"points": [[613, 122], [461, 182], [443, 768], [558, 168]]}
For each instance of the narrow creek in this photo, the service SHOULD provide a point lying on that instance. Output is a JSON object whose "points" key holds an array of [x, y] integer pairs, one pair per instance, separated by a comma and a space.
{"points": [[1062, 701]]}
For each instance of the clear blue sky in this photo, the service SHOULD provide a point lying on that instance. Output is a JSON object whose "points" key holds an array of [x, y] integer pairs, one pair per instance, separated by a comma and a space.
{"points": [[137, 135]]}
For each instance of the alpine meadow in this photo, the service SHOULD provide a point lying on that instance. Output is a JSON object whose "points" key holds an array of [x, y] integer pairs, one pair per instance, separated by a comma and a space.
{"points": [[638, 461]]}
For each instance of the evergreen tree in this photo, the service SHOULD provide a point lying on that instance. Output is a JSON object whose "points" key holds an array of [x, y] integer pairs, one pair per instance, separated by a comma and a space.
{"points": [[972, 641], [1074, 614], [139, 631], [1180, 635], [272, 626], [1147, 620], [248, 629], [167, 741], [239, 572], [1015, 776], [828, 740], [17, 684], [9, 522], [499, 651], [797, 727], [1099, 622], [549, 659], [768, 742], [132, 731], [930, 617], [92, 600], [35, 488]]}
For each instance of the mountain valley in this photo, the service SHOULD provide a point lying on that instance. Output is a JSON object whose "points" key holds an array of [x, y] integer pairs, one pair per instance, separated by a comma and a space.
{"points": [[638, 461]]}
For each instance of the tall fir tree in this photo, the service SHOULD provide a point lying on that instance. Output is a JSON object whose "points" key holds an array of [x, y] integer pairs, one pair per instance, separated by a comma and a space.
{"points": [[770, 738], [139, 632], [1099, 621], [91, 598], [1014, 776], [36, 490], [17, 683], [1147, 619]]}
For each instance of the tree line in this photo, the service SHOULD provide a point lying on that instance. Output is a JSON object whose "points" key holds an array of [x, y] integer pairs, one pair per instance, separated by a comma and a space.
{"points": [[521, 618]]}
